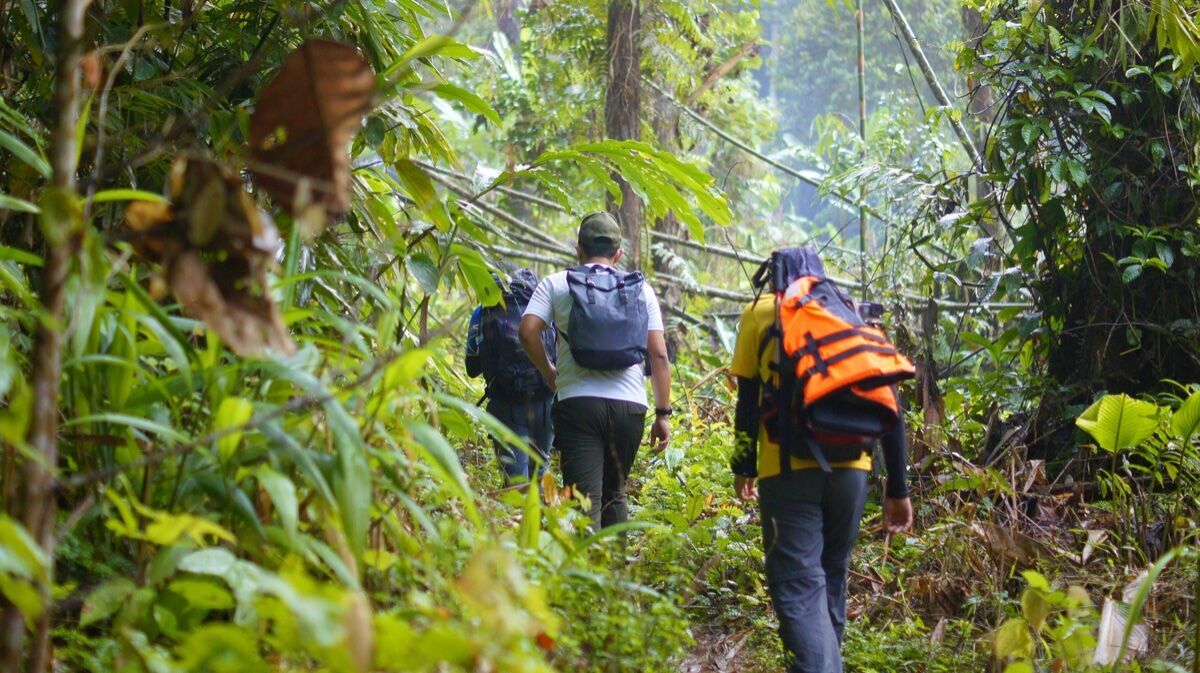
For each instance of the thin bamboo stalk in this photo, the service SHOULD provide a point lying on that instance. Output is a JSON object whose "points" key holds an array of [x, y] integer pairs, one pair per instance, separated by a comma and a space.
{"points": [[862, 134], [508, 191], [914, 45], [496, 212], [706, 290], [61, 227]]}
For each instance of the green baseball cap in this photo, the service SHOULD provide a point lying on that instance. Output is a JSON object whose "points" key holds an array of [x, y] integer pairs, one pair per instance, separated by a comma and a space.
{"points": [[600, 229]]}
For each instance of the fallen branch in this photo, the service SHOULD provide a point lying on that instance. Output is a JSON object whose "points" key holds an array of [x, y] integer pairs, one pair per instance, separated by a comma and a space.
{"points": [[706, 290], [689, 318]]}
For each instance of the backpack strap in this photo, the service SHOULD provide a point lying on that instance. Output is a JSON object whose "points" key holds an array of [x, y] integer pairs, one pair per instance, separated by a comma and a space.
{"points": [[787, 394]]}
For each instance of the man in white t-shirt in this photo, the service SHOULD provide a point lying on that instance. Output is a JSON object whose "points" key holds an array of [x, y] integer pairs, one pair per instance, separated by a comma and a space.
{"points": [[599, 415]]}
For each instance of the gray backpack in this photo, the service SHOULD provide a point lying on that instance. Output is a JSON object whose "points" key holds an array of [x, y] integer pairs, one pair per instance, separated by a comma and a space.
{"points": [[608, 325]]}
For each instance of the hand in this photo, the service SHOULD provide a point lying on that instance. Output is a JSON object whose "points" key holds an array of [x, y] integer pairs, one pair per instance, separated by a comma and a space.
{"points": [[552, 379], [660, 434], [746, 488], [897, 515]]}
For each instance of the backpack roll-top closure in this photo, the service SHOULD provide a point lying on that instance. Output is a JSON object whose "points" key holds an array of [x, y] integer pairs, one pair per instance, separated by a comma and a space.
{"points": [[608, 324]]}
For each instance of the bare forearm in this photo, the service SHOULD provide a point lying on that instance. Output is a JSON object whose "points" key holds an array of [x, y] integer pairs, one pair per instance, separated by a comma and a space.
{"points": [[660, 380], [530, 333], [660, 368]]}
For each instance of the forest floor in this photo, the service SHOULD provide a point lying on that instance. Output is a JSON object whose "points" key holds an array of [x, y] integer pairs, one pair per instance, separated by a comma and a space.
{"points": [[718, 652], [929, 601]]}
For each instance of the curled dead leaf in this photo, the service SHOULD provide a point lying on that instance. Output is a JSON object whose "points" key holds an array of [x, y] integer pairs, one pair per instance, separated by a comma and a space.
{"points": [[232, 298], [216, 246], [303, 122]]}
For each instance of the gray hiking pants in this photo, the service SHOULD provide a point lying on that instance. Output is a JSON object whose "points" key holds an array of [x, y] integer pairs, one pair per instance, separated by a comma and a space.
{"points": [[810, 521]]}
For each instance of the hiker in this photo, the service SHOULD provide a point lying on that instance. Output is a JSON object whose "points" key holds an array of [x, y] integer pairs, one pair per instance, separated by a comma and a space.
{"points": [[516, 393], [609, 330], [811, 495]]}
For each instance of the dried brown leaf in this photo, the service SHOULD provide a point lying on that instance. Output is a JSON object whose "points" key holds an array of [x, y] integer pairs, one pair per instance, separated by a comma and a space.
{"points": [[304, 120], [147, 215], [231, 297]]}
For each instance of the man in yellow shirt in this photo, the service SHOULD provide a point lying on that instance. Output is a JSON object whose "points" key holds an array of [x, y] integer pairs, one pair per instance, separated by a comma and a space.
{"points": [[810, 517]]}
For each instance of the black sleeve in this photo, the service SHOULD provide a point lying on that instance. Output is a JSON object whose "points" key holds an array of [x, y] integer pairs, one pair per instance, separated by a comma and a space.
{"points": [[745, 429], [474, 344], [895, 460]]}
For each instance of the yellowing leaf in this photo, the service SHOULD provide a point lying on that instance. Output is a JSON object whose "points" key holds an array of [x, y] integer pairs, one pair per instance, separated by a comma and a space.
{"points": [[1035, 608], [1013, 639], [169, 528], [232, 414], [203, 593]]}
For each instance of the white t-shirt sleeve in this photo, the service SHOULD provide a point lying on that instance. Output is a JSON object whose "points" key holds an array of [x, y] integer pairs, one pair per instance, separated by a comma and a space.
{"points": [[654, 321], [541, 303]]}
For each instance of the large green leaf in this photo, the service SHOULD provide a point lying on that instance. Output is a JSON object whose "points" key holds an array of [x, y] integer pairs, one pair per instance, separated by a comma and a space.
{"points": [[469, 100], [1186, 420], [318, 617], [1119, 422], [421, 190], [283, 494]]}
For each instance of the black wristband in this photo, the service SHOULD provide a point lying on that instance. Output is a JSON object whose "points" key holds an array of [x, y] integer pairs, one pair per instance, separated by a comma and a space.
{"points": [[665, 411]]}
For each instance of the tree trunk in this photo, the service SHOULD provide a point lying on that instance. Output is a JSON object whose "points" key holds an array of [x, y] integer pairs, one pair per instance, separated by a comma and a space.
{"points": [[622, 112], [35, 504]]}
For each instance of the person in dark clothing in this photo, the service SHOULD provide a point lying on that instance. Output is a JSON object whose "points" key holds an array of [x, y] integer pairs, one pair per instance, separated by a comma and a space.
{"points": [[516, 395], [810, 517]]}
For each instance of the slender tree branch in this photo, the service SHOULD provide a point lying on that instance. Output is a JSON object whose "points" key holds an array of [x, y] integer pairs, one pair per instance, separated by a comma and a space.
{"points": [[748, 47], [914, 45], [61, 228]]}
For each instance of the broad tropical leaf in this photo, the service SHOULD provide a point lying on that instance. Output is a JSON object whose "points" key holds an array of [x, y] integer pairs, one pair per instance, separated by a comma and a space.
{"points": [[1119, 422], [1185, 422]]}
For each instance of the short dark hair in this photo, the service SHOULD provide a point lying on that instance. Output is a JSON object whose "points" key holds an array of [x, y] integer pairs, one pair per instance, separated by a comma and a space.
{"points": [[599, 247]]}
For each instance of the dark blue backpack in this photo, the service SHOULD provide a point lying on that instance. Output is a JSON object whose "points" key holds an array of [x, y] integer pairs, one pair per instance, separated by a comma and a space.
{"points": [[508, 371], [608, 318]]}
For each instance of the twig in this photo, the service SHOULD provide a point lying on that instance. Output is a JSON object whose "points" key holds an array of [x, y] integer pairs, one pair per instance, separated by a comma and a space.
{"points": [[807, 179], [748, 47], [102, 116]]}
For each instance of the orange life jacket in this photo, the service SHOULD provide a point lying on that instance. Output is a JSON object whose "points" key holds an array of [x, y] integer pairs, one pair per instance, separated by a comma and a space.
{"points": [[845, 369]]}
